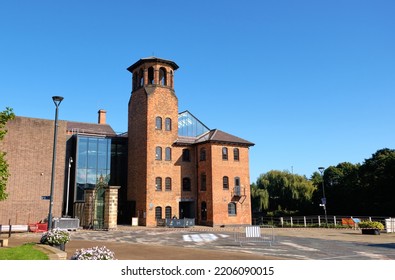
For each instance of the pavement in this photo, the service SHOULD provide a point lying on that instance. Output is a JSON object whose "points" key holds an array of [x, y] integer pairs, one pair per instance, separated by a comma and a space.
{"points": [[206, 243]]}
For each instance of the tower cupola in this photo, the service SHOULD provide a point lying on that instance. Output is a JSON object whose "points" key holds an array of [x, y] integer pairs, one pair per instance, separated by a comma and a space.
{"points": [[153, 71]]}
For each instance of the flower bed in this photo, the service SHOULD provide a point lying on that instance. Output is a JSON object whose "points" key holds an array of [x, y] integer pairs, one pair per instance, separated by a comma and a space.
{"points": [[95, 253], [55, 237]]}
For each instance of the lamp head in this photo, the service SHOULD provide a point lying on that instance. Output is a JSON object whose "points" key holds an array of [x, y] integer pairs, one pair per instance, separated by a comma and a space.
{"points": [[57, 100], [321, 169]]}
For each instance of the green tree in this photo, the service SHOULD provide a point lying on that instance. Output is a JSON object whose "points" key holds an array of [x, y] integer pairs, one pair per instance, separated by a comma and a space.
{"points": [[286, 191], [5, 116], [378, 183], [259, 198]]}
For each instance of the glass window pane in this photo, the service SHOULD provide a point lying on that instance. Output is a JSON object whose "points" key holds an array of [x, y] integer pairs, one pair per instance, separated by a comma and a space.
{"points": [[82, 147], [92, 153]]}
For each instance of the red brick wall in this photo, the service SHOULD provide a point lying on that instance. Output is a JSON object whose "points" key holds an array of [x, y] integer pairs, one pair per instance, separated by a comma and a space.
{"points": [[29, 146], [221, 198]]}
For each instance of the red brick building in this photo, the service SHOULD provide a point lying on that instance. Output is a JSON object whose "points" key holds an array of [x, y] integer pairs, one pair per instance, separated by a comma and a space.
{"points": [[177, 166], [167, 164]]}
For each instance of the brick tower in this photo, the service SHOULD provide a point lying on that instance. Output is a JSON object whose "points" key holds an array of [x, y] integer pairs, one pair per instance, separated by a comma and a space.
{"points": [[152, 129]]}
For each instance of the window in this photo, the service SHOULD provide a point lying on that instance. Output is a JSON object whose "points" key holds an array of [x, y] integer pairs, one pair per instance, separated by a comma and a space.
{"points": [[186, 184], [203, 186], [158, 153], [158, 123], [232, 209], [134, 80], [168, 154], [203, 211], [202, 154], [141, 77], [237, 189], [162, 76], [236, 154], [225, 182], [168, 124], [224, 153], [158, 212], [186, 155], [168, 184], [158, 183], [151, 75], [168, 212]]}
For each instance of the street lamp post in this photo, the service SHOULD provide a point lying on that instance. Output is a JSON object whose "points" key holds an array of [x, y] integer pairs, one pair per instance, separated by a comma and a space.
{"points": [[57, 100], [323, 200], [68, 187]]}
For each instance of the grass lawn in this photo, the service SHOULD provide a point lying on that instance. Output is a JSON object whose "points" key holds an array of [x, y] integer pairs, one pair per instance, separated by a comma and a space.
{"points": [[23, 252]]}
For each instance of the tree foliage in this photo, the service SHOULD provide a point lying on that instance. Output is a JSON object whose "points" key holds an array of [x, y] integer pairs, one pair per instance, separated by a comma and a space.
{"points": [[366, 189], [5, 116], [281, 190]]}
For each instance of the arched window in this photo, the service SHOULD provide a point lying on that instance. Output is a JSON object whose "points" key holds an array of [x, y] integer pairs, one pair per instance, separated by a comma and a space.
{"points": [[151, 75], [237, 189], [158, 153], [168, 153], [168, 184], [141, 77], [168, 124], [186, 184], [203, 211], [202, 154], [236, 154], [203, 179], [168, 212], [162, 76], [224, 153], [158, 183], [232, 209], [134, 80], [158, 123], [225, 183], [158, 212]]}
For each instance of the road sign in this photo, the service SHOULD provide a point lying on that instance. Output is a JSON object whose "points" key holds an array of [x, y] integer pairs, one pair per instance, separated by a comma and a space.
{"points": [[46, 197]]}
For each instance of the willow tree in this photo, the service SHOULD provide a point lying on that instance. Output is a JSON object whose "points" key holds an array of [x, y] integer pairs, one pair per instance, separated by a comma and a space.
{"points": [[5, 116]]}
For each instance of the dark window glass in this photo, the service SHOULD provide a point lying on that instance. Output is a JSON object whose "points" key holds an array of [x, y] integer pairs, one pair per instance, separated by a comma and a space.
{"points": [[236, 154], [158, 183], [203, 186], [186, 155], [168, 124], [168, 184], [158, 212], [158, 123], [203, 211], [225, 153], [168, 153], [202, 154], [186, 184], [225, 182], [158, 153], [232, 209], [168, 212]]}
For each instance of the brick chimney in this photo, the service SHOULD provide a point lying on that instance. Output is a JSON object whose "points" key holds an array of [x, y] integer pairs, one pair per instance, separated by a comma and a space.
{"points": [[102, 116]]}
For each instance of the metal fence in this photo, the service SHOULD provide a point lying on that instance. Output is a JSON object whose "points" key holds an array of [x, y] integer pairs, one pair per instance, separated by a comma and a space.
{"points": [[321, 221]]}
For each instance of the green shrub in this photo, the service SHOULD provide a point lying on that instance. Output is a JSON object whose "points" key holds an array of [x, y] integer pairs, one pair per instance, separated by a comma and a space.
{"points": [[371, 224]]}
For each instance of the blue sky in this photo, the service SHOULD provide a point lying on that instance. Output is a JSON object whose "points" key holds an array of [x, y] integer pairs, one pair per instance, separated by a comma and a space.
{"points": [[311, 83]]}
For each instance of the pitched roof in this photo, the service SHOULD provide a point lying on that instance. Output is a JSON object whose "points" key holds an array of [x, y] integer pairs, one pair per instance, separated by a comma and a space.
{"points": [[214, 135], [90, 128]]}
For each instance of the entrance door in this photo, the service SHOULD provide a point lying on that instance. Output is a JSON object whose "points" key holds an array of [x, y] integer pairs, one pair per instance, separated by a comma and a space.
{"points": [[187, 210]]}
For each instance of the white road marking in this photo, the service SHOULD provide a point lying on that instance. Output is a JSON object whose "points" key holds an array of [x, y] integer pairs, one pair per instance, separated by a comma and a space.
{"points": [[299, 247]]}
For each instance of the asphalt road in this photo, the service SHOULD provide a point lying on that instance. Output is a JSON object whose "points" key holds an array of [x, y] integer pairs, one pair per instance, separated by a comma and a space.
{"points": [[200, 243]]}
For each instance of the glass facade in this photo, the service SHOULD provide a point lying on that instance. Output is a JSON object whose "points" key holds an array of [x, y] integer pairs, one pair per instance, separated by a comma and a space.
{"points": [[93, 163], [190, 126]]}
